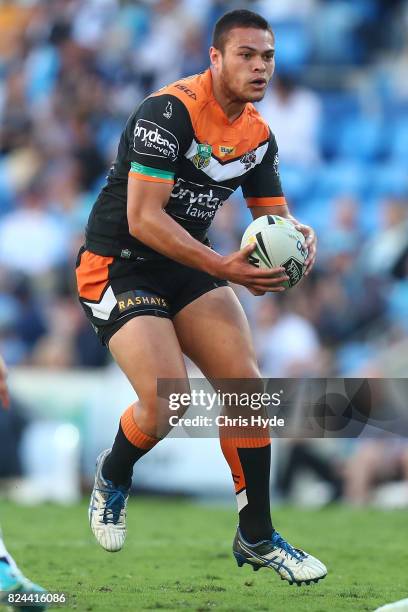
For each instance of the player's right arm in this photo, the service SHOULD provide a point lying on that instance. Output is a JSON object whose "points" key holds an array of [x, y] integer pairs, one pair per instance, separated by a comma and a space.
{"points": [[4, 393], [150, 183], [149, 223]]}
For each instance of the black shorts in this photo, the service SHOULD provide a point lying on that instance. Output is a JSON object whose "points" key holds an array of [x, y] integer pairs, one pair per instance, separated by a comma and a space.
{"points": [[113, 290]]}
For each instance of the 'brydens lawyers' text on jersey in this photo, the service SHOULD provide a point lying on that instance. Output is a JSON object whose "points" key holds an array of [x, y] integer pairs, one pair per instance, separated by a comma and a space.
{"points": [[181, 136]]}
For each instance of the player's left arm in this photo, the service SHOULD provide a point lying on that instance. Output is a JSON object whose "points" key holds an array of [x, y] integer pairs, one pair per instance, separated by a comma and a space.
{"points": [[264, 196], [4, 393]]}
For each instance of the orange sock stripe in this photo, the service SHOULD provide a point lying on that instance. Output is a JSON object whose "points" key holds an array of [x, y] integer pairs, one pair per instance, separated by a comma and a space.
{"points": [[134, 434], [231, 442], [229, 449], [247, 442], [246, 437]]}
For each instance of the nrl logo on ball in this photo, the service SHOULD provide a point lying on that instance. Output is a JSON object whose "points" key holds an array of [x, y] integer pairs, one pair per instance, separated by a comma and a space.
{"points": [[294, 270], [203, 156], [249, 159]]}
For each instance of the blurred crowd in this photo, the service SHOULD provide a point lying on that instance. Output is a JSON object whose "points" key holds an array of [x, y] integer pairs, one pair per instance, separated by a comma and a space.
{"points": [[71, 71], [357, 472]]}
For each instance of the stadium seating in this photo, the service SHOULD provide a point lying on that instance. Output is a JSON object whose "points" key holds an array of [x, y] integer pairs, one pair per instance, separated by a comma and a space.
{"points": [[362, 138]]}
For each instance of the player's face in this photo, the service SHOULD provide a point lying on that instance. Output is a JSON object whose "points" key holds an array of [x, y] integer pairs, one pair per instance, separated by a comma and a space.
{"points": [[247, 63]]}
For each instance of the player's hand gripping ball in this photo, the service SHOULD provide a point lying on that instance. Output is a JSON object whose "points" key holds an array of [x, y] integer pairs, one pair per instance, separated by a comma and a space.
{"points": [[278, 244]]}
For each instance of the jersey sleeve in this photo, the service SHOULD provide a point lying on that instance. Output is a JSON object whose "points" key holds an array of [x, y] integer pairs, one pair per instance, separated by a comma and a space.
{"points": [[263, 186], [160, 132]]}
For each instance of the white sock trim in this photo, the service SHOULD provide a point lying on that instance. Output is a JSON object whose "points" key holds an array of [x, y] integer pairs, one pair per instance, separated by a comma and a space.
{"points": [[242, 500]]}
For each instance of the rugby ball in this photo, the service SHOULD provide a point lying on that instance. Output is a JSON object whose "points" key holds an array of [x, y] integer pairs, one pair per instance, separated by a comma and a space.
{"points": [[278, 244]]}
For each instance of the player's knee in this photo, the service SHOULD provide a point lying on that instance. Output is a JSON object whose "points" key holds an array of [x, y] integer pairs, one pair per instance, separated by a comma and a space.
{"points": [[177, 397], [166, 395], [245, 368]]}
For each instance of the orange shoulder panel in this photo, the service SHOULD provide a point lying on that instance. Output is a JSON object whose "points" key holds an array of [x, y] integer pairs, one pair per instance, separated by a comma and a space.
{"points": [[190, 91], [229, 141]]}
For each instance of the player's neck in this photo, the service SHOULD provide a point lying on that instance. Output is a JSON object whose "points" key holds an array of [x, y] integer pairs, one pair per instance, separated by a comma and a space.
{"points": [[231, 107]]}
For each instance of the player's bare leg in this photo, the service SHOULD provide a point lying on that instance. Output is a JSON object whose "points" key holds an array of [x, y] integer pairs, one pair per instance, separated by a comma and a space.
{"points": [[145, 348], [214, 332]]}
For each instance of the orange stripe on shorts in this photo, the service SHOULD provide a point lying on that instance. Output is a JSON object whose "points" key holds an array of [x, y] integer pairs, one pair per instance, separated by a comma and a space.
{"points": [[92, 275]]}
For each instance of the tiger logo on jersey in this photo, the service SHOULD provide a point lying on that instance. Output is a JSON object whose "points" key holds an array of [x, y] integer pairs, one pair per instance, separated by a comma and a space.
{"points": [[249, 159], [203, 156]]}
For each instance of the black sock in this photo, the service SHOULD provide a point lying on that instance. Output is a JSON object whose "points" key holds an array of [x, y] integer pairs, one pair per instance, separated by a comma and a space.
{"points": [[118, 465], [255, 518]]}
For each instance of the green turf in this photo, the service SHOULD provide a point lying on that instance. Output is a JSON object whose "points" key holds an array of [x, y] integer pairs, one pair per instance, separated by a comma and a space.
{"points": [[178, 556]]}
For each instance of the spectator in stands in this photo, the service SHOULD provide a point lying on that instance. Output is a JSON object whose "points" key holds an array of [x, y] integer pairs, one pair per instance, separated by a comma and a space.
{"points": [[287, 343], [290, 9], [374, 462], [41, 238], [309, 456], [294, 114], [161, 56]]}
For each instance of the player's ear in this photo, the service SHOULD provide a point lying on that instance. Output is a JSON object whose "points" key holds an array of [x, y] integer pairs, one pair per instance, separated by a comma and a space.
{"points": [[215, 57]]}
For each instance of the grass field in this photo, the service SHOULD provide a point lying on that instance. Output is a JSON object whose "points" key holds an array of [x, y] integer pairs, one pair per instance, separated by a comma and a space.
{"points": [[178, 556]]}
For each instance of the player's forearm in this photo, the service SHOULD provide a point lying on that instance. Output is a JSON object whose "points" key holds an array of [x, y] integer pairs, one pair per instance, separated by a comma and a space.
{"points": [[160, 232], [282, 211], [288, 215], [285, 212]]}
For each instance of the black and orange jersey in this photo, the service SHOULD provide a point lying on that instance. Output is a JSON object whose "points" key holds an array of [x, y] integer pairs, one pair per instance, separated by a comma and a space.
{"points": [[181, 136]]}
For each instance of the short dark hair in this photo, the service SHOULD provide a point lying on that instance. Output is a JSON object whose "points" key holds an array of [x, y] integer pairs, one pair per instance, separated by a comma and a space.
{"points": [[240, 18]]}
